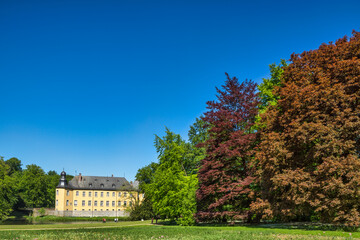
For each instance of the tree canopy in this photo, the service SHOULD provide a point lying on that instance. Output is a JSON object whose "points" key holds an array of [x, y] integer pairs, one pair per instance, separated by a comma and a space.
{"points": [[309, 151]]}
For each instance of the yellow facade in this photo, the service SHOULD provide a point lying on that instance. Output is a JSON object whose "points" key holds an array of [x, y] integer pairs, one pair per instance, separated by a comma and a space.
{"points": [[95, 200]]}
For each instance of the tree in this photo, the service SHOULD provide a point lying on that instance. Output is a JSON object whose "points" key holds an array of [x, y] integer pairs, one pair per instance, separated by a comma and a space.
{"points": [[225, 176], [142, 210], [171, 188], [7, 190], [267, 89], [308, 157], [52, 181], [145, 175], [14, 164], [34, 187]]}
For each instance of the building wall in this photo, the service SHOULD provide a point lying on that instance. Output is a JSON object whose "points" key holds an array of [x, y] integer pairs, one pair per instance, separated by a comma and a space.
{"points": [[94, 202]]}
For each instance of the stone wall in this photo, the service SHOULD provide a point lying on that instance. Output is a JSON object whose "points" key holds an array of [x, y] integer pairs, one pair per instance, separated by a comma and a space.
{"points": [[48, 211]]}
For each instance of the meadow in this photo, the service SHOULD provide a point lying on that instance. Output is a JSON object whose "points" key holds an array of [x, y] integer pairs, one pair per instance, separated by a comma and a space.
{"points": [[144, 230]]}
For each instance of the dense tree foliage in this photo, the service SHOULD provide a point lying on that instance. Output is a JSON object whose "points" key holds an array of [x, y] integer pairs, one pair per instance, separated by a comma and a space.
{"points": [[170, 185], [309, 152], [27, 188], [7, 189], [225, 175], [267, 89]]}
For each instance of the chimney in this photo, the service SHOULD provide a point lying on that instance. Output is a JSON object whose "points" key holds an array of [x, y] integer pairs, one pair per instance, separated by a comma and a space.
{"points": [[112, 175], [80, 177]]}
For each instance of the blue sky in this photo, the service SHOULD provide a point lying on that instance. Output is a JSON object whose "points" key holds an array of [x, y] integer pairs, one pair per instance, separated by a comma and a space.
{"points": [[85, 85]]}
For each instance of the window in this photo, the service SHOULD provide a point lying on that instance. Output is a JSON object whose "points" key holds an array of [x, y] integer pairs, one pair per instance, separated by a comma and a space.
{"points": [[89, 203], [113, 203], [113, 185], [101, 194], [89, 210], [125, 194], [107, 203], [83, 203], [83, 210], [118, 209], [57, 202], [95, 194], [89, 194], [95, 209], [107, 209], [83, 193], [113, 210], [75, 202], [75, 209], [90, 184], [67, 202], [119, 203], [101, 203], [107, 194], [113, 194], [57, 192], [119, 194], [95, 203], [102, 185], [67, 193], [124, 203], [77, 193]]}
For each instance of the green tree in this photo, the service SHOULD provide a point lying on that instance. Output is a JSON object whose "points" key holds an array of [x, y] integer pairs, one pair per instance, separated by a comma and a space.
{"points": [[172, 189], [34, 187], [14, 164], [52, 181], [7, 190], [145, 175], [268, 95]]}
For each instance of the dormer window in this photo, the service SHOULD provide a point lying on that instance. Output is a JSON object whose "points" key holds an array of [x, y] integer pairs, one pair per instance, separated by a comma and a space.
{"points": [[90, 184], [113, 185], [102, 185]]}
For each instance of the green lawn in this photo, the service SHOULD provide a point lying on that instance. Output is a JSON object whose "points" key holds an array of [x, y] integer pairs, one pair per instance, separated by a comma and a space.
{"points": [[143, 230]]}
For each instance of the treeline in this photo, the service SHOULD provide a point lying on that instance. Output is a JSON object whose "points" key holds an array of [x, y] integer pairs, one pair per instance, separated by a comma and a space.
{"points": [[285, 150], [27, 188]]}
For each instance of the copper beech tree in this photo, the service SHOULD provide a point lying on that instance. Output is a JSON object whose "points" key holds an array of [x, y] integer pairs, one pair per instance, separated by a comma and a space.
{"points": [[309, 154], [225, 173]]}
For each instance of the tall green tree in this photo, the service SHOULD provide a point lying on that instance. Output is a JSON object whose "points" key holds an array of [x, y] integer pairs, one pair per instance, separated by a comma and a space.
{"points": [[7, 190], [34, 187]]}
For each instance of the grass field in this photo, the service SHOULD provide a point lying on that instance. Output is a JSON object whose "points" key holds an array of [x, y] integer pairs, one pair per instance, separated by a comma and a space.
{"points": [[144, 230]]}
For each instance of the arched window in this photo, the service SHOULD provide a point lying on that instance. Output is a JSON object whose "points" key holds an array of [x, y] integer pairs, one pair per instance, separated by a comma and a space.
{"points": [[102, 185], [113, 185]]}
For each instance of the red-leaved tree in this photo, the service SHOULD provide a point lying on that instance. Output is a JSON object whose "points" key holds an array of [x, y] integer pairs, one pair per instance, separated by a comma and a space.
{"points": [[309, 155], [225, 173]]}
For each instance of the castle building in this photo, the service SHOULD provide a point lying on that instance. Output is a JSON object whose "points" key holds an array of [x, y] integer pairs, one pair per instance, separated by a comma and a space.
{"points": [[91, 196]]}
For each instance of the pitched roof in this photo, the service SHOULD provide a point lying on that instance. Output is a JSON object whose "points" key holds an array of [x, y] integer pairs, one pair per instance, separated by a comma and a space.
{"points": [[100, 183]]}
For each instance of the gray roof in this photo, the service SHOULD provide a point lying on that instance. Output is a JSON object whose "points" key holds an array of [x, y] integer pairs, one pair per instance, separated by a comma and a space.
{"points": [[100, 183]]}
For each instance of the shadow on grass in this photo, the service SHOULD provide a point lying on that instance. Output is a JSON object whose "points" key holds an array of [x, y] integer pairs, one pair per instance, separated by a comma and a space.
{"points": [[290, 225]]}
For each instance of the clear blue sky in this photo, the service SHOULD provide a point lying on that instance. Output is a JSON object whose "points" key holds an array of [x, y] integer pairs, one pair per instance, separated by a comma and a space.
{"points": [[85, 85]]}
